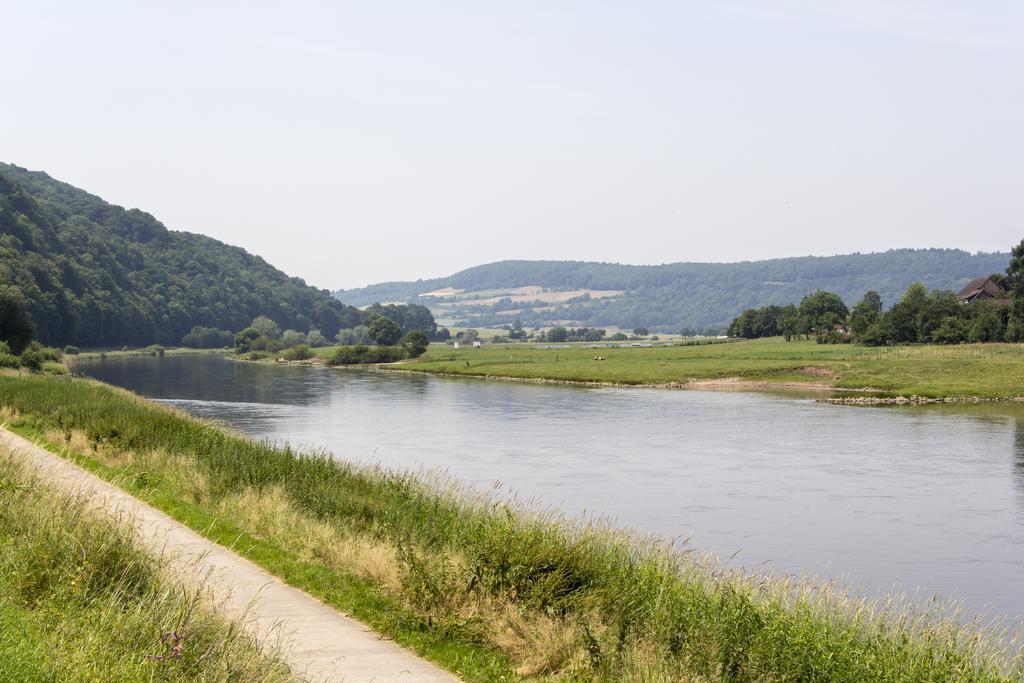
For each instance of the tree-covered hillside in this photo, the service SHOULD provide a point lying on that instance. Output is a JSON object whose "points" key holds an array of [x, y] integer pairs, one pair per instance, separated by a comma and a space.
{"points": [[95, 274], [676, 295]]}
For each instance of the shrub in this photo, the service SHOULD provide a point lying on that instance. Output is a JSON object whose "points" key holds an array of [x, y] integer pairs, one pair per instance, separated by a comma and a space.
{"points": [[362, 354], [244, 340], [71, 351], [32, 359], [9, 360], [298, 352]]}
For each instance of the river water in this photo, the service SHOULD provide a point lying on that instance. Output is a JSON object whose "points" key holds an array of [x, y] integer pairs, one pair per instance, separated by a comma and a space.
{"points": [[926, 499]]}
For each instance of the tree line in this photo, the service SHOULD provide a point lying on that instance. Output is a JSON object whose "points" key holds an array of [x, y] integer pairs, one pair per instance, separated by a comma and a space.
{"points": [[920, 316]]}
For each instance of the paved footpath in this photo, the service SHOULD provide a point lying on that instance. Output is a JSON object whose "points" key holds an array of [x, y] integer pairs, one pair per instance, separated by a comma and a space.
{"points": [[316, 641]]}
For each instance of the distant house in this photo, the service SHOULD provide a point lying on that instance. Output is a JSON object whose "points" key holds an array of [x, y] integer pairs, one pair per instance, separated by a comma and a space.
{"points": [[982, 289], [476, 345]]}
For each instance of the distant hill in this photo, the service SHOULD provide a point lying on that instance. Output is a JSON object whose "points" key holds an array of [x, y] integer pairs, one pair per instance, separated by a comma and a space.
{"points": [[95, 274], [699, 296]]}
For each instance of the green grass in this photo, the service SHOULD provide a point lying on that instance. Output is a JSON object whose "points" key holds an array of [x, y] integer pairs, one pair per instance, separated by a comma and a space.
{"points": [[488, 590], [81, 601], [970, 370], [171, 351]]}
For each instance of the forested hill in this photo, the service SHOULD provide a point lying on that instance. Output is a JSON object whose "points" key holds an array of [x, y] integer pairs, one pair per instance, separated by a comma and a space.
{"points": [[701, 296], [95, 274]]}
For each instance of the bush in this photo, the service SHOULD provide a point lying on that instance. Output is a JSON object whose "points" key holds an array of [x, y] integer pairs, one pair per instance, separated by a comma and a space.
{"points": [[32, 359], [298, 352], [362, 354], [315, 338], [156, 350], [71, 351], [9, 360], [245, 339], [35, 354]]}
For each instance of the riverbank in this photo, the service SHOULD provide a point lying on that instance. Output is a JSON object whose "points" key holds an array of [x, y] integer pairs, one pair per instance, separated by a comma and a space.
{"points": [[967, 372], [81, 598], [496, 592], [314, 641]]}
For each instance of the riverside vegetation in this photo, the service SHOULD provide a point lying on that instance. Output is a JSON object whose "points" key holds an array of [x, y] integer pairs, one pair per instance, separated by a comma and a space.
{"points": [[81, 600], [483, 587]]}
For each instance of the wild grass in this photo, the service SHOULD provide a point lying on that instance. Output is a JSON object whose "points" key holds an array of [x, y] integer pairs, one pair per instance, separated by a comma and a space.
{"points": [[967, 370], [81, 601], [490, 590]]}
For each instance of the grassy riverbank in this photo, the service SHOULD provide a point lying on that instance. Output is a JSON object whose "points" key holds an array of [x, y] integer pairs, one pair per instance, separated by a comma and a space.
{"points": [[968, 370], [489, 591], [81, 601]]}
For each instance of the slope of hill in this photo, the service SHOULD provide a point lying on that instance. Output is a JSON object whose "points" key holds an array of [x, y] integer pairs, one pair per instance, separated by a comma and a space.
{"points": [[95, 274], [700, 296]]}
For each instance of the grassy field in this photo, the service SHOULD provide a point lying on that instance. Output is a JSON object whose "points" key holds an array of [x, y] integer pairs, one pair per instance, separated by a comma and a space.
{"points": [[487, 590], [970, 370], [80, 601]]}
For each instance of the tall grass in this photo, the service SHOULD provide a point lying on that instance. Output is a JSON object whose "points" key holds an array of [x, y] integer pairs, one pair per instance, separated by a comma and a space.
{"points": [[559, 600], [81, 601]]}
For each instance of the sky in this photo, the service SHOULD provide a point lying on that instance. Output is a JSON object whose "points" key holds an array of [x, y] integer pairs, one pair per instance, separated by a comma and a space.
{"points": [[357, 142]]}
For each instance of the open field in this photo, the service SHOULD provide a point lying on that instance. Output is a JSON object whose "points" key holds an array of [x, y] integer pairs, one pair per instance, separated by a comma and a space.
{"points": [[489, 590], [969, 370], [80, 600]]}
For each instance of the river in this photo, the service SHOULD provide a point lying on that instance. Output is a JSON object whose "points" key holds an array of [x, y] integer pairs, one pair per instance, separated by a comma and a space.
{"points": [[927, 498]]}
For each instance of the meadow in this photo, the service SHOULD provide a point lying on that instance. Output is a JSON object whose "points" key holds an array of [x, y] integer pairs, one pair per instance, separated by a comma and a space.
{"points": [[487, 588], [80, 600], [966, 370]]}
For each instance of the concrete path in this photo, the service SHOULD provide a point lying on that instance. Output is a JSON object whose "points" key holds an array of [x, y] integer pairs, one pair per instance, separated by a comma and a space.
{"points": [[316, 641]]}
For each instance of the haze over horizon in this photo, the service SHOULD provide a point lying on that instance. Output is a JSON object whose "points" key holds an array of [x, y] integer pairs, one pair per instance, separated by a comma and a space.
{"points": [[359, 144]]}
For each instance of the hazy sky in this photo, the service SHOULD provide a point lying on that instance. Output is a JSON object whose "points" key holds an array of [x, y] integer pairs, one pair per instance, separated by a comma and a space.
{"points": [[355, 142]]}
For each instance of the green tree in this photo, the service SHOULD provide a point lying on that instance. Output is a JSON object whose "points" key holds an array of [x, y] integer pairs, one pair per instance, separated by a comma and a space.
{"points": [[290, 338], [350, 336], [16, 327], [557, 334], [822, 310], [987, 327], [953, 330], [245, 340], [866, 313], [415, 343], [383, 330], [641, 331], [315, 338], [266, 327]]}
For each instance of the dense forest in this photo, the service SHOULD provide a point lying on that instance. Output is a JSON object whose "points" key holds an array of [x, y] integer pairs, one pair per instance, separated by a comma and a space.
{"points": [[94, 274], [701, 296]]}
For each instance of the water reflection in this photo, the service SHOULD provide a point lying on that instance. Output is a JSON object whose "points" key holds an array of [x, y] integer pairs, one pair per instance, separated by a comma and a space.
{"points": [[922, 496]]}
